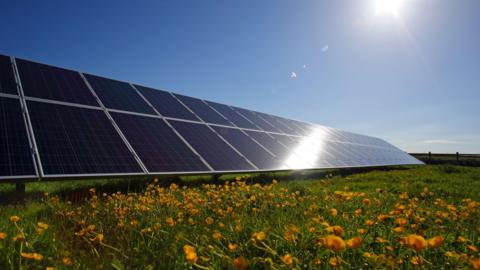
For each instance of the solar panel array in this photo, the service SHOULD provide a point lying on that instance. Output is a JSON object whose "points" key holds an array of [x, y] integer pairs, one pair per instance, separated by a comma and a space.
{"points": [[56, 123]]}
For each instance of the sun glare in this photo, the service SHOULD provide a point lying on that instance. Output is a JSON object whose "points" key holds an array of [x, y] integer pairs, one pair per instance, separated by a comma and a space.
{"points": [[388, 7]]}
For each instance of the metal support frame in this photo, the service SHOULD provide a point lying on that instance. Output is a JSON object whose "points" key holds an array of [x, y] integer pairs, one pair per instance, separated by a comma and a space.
{"points": [[37, 162]]}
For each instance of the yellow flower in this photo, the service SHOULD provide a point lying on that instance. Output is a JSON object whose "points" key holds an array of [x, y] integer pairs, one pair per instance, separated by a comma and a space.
{"points": [[354, 242], [416, 261], [190, 253], [19, 237], [259, 236], [67, 261], [170, 222], [287, 259], [333, 212], [334, 261], [217, 235], [14, 219], [416, 242], [42, 225], [209, 220], [240, 263], [333, 242], [2, 235], [232, 247], [50, 268], [98, 238], [435, 241], [32, 256]]}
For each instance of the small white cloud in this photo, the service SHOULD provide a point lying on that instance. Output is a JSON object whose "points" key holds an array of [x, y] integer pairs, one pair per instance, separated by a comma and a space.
{"points": [[304, 66], [440, 141], [293, 75], [325, 48]]}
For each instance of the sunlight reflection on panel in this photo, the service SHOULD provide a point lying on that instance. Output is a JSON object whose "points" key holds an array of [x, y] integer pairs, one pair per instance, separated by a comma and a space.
{"points": [[308, 151]]}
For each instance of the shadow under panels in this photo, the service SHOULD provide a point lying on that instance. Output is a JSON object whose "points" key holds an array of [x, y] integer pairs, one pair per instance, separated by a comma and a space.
{"points": [[78, 141], [16, 158]]}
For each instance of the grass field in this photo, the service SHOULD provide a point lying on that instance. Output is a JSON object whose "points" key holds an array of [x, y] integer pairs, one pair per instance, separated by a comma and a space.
{"points": [[420, 217]]}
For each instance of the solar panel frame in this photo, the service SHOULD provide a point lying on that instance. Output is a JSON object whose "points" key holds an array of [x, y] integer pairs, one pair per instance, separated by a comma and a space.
{"points": [[53, 83], [28, 151]]}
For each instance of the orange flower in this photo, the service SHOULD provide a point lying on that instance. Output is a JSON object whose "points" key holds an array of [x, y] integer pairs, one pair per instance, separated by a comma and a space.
{"points": [[358, 212], [475, 264], [399, 229], [369, 222], [435, 241], [334, 261], [337, 230], [416, 261], [354, 242], [98, 238], [333, 242], [382, 217], [240, 263], [217, 235], [190, 253], [67, 261], [416, 242], [170, 222], [287, 259], [472, 248], [209, 220], [361, 231], [333, 212], [32, 256], [232, 247], [2, 235], [401, 221], [366, 201], [259, 236]]}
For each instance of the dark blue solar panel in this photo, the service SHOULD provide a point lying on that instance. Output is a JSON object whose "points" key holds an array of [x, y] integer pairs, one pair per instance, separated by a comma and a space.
{"points": [[15, 156], [249, 148], [270, 143], [215, 151], [166, 104], [203, 110], [43, 81], [254, 118], [232, 115], [75, 140], [160, 149], [7, 79], [118, 95], [278, 124]]}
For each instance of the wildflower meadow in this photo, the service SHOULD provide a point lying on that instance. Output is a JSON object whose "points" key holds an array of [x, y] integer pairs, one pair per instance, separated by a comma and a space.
{"points": [[423, 217]]}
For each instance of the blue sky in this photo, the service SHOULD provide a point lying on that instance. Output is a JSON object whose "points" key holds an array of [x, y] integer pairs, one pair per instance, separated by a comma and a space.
{"points": [[412, 78]]}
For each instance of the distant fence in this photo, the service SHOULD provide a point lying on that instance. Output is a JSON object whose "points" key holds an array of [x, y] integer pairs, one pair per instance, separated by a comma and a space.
{"points": [[444, 158]]}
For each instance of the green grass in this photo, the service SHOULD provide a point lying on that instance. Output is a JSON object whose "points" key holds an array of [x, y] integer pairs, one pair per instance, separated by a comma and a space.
{"points": [[138, 235]]}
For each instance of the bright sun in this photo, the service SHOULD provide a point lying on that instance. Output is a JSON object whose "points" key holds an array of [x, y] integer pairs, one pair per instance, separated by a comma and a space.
{"points": [[388, 7]]}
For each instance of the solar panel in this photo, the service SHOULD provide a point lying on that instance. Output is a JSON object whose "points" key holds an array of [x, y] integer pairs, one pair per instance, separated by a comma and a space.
{"points": [[252, 150], [214, 150], [160, 149], [66, 132], [201, 109], [7, 79], [15, 156], [48, 82], [80, 141], [118, 95], [166, 104], [232, 115], [258, 121]]}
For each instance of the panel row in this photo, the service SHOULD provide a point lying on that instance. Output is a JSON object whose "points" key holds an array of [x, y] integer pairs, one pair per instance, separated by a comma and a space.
{"points": [[53, 83]]}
